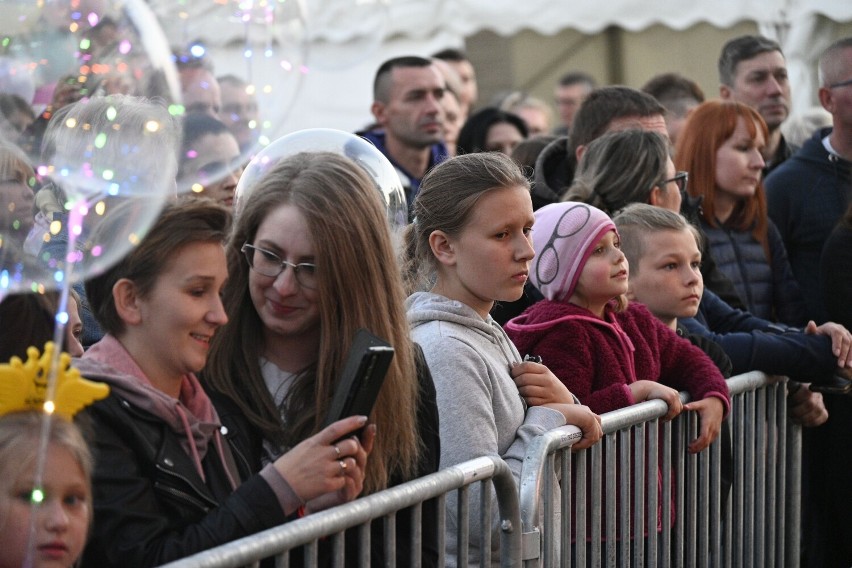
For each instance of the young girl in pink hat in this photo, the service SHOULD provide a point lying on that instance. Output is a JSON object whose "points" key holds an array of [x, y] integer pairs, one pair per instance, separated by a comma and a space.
{"points": [[609, 353]]}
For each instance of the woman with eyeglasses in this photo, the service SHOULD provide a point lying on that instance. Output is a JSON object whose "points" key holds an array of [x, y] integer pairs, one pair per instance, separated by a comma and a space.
{"points": [[311, 261], [168, 480], [635, 166], [720, 146]]}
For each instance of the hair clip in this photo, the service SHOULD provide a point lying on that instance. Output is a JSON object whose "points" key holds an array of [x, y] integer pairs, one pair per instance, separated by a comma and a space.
{"points": [[23, 386]]}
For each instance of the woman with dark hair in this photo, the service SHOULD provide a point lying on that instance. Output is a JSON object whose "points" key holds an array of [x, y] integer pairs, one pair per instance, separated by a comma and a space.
{"points": [[167, 481], [491, 130]]}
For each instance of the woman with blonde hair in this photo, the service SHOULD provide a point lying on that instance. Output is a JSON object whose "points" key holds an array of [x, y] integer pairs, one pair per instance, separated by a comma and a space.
{"points": [[311, 260]]}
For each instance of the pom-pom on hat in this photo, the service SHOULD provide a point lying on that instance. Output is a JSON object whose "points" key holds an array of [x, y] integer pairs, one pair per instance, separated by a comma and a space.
{"points": [[564, 236]]}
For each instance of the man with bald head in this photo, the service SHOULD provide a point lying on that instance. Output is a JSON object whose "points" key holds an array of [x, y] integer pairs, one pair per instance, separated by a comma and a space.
{"points": [[407, 107], [807, 195]]}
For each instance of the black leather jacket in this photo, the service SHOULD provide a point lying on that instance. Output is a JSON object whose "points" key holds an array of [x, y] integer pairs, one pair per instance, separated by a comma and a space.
{"points": [[150, 504]]}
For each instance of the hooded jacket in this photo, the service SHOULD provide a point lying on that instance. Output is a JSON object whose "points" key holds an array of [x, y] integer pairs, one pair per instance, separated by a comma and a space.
{"points": [[554, 173], [165, 483], [806, 196], [481, 411]]}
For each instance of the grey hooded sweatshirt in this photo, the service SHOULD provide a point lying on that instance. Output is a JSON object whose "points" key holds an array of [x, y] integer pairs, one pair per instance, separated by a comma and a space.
{"points": [[481, 411]]}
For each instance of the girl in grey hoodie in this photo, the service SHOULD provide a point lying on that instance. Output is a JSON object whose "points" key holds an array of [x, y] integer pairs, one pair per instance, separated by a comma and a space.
{"points": [[470, 246]]}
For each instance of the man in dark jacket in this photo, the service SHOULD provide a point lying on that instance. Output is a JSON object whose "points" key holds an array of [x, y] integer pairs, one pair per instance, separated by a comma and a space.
{"points": [[809, 192], [753, 71]]}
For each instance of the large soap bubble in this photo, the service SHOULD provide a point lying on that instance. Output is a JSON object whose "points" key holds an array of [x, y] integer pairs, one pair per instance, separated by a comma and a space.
{"points": [[104, 157], [70, 54], [357, 149], [254, 53]]}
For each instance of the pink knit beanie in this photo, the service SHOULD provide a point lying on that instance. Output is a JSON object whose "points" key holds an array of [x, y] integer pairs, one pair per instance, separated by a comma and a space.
{"points": [[564, 236]]}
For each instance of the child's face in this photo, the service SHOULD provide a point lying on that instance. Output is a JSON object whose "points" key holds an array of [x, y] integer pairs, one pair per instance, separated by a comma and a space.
{"points": [[668, 276], [61, 521], [489, 260], [73, 329], [604, 276], [16, 208]]}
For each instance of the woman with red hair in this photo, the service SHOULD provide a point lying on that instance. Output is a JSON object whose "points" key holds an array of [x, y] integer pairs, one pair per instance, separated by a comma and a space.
{"points": [[720, 147]]}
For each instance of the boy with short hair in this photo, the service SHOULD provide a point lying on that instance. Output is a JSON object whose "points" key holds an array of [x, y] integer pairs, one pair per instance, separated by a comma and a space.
{"points": [[662, 250]]}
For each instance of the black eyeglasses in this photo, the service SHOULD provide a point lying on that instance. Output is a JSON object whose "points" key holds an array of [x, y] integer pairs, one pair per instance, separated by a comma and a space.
{"points": [[270, 264], [841, 84], [680, 178]]}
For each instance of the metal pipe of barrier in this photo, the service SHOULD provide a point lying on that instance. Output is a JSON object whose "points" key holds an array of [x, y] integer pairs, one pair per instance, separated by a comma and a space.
{"points": [[741, 530], [313, 527]]}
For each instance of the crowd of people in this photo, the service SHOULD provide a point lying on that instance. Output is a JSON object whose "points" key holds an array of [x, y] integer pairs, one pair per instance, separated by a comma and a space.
{"points": [[653, 241]]}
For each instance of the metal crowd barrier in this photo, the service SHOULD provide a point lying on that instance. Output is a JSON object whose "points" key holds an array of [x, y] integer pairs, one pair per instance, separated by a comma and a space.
{"points": [[331, 523], [757, 525], [640, 475]]}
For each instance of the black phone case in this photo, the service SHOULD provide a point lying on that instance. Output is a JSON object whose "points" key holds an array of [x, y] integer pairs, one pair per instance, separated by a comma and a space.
{"points": [[363, 375]]}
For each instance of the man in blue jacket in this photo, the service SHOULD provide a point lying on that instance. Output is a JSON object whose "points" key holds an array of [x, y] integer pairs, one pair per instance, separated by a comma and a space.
{"points": [[409, 128]]}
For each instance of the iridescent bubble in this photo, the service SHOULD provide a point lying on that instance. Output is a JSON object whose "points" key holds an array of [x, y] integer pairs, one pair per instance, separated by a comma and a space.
{"points": [[255, 52], [74, 54], [358, 149]]}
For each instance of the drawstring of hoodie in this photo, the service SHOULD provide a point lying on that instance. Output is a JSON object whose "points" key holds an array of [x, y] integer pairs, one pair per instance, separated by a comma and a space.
{"points": [[627, 346], [190, 440], [217, 440]]}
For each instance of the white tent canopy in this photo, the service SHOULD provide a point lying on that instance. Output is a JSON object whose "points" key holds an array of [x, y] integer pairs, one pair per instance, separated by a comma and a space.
{"points": [[360, 34]]}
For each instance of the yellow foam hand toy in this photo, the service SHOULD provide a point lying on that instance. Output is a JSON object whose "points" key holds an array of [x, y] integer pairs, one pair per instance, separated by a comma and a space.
{"points": [[23, 385]]}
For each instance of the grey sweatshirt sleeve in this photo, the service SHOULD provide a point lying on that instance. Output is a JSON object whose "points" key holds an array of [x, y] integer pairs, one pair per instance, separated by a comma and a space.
{"points": [[481, 413]]}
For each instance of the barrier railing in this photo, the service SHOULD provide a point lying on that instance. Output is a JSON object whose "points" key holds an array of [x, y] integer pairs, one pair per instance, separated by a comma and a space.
{"points": [[641, 482], [359, 513]]}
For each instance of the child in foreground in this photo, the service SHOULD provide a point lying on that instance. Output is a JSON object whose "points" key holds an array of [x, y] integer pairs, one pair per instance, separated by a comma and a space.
{"points": [[663, 250], [470, 243], [59, 508]]}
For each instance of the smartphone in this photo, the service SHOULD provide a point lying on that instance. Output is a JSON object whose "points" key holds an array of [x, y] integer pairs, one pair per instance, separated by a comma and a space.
{"points": [[363, 374]]}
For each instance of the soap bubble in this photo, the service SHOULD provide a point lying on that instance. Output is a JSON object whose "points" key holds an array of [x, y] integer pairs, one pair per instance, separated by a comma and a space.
{"points": [[71, 54], [256, 52], [357, 149]]}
